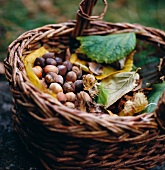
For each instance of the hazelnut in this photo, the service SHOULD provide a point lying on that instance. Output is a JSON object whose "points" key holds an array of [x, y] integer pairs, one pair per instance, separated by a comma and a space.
{"points": [[37, 71], [70, 105], [51, 61], [78, 85], [71, 76], [59, 79], [78, 71], [48, 55], [58, 60], [55, 87], [39, 62], [70, 96], [68, 87], [62, 70], [50, 77], [50, 68], [68, 65], [84, 96], [61, 97]]}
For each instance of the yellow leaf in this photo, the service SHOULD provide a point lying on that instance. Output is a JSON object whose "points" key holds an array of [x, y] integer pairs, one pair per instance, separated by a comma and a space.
{"points": [[29, 63], [137, 105], [129, 63], [74, 59], [29, 59], [81, 63], [107, 70]]}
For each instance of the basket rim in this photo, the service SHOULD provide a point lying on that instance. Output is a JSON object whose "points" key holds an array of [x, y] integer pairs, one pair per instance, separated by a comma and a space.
{"points": [[77, 119]]}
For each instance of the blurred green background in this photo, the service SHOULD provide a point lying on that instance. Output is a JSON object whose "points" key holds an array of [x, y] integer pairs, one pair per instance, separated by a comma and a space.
{"points": [[18, 16]]}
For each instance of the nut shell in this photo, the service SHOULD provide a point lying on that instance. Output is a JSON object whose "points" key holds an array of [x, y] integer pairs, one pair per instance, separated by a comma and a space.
{"points": [[70, 105], [48, 55], [50, 68], [70, 96], [61, 97], [50, 61], [39, 61], [55, 87], [62, 70], [71, 76], [69, 87], [37, 71]]}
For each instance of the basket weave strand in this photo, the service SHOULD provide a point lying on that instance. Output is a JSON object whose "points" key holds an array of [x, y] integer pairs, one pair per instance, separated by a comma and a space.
{"points": [[61, 138]]}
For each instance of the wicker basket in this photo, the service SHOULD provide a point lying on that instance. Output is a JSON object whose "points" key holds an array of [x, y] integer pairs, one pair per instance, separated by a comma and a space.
{"points": [[62, 138]]}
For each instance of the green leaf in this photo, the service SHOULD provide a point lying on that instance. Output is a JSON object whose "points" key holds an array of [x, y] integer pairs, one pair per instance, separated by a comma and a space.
{"points": [[107, 49], [154, 95], [115, 86]]}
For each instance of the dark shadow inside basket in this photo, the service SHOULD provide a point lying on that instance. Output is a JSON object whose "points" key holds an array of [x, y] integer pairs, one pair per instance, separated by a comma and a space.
{"points": [[63, 138]]}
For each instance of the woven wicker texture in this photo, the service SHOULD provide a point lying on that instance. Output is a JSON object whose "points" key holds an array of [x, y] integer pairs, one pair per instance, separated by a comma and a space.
{"points": [[65, 139]]}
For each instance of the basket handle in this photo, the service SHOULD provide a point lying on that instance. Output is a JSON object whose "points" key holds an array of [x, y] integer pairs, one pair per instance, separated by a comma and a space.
{"points": [[84, 16]]}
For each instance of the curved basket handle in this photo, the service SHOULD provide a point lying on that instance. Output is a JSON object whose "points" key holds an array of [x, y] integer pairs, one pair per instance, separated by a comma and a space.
{"points": [[84, 15]]}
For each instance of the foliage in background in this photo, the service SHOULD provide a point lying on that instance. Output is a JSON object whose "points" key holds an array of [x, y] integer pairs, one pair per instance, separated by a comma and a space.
{"points": [[18, 16]]}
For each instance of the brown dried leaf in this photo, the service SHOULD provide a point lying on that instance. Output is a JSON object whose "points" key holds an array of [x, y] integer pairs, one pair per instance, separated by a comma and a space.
{"points": [[136, 105], [95, 68]]}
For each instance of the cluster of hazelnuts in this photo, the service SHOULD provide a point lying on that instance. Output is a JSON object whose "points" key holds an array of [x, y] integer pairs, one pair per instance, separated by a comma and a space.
{"points": [[62, 77]]}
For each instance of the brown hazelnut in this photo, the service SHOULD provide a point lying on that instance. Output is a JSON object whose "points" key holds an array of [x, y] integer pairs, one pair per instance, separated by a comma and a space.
{"points": [[62, 70], [37, 71], [61, 97], [71, 76], [50, 77], [70, 105], [50, 68], [48, 55], [70, 96], [58, 60], [68, 65], [84, 96], [68, 87], [78, 71], [51, 61], [55, 87], [59, 79], [39, 62], [78, 85]]}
